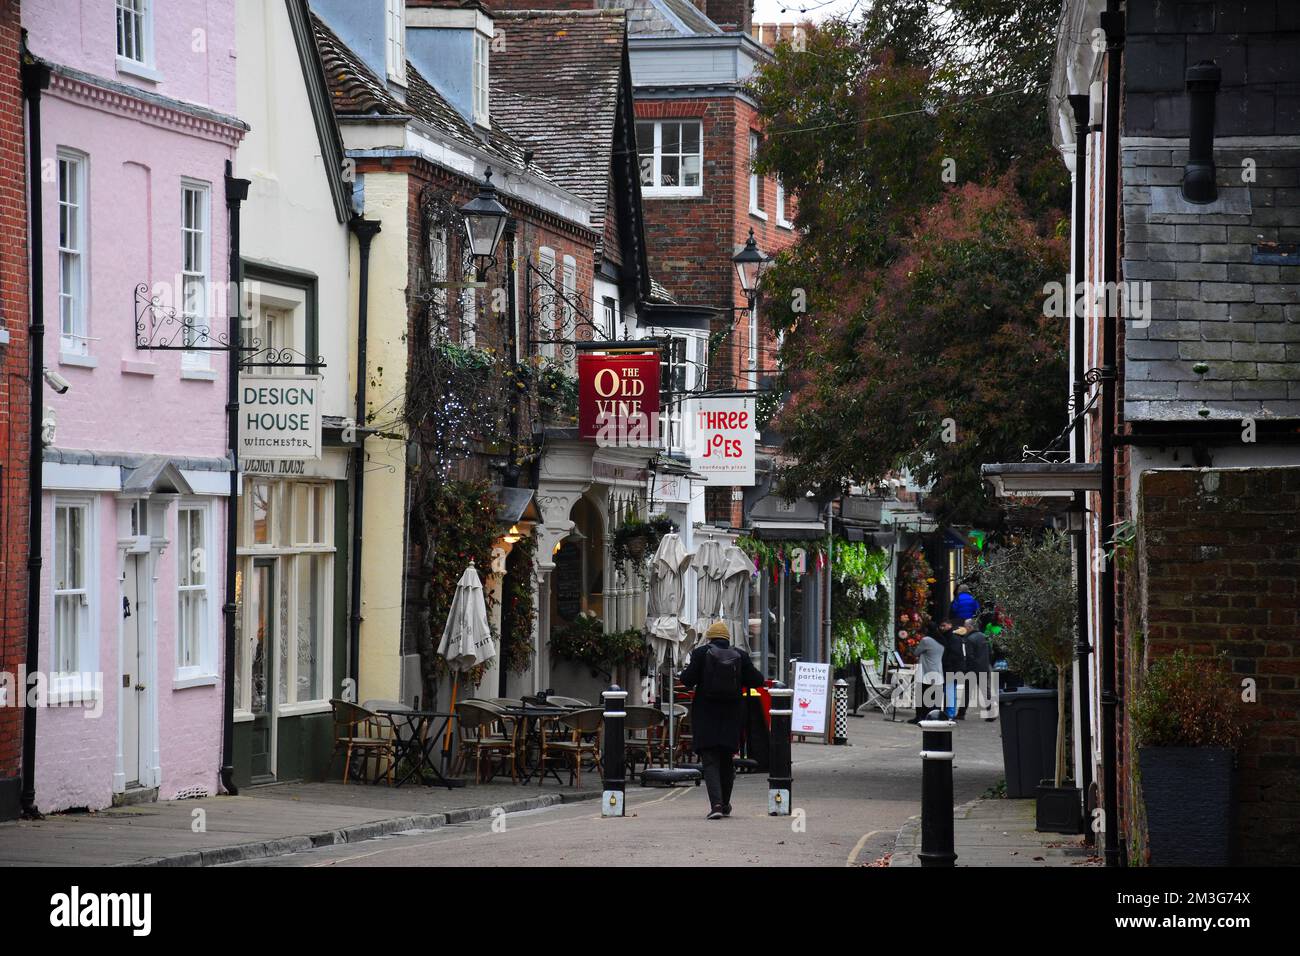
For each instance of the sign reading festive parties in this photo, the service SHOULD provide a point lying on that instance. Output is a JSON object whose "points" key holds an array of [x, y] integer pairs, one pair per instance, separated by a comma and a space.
{"points": [[279, 416], [618, 398], [719, 435], [812, 694]]}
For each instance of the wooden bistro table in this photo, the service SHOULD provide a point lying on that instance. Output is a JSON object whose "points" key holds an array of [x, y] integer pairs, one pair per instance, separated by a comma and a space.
{"points": [[535, 717]]}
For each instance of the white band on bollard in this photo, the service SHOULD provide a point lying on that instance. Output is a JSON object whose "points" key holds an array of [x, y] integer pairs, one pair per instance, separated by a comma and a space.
{"points": [[780, 713], [936, 754], [615, 713]]}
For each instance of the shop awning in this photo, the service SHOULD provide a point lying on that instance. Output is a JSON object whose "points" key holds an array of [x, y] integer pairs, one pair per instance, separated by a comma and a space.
{"points": [[1042, 479], [788, 530]]}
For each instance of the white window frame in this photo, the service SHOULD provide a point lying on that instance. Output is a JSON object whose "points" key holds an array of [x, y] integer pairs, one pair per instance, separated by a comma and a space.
{"points": [[284, 545], [755, 199], [781, 220], [753, 344], [74, 340], [480, 104], [65, 681], [143, 64], [654, 189], [546, 314], [203, 662], [569, 285], [395, 40], [200, 271]]}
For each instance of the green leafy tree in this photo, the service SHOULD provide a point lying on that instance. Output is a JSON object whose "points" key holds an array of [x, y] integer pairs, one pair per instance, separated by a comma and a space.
{"points": [[931, 203]]}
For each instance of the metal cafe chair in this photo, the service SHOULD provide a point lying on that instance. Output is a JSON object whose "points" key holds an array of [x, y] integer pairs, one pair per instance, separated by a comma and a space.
{"points": [[479, 735], [641, 724], [584, 727], [361, 732]]}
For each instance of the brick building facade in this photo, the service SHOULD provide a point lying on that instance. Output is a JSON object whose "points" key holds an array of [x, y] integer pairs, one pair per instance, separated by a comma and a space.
{"points": [[15, 404], [1206, 382]]}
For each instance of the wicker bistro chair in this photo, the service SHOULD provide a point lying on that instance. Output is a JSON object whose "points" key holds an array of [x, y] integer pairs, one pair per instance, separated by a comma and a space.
{"points": [[576, 702], [485, 730], [582, 740], [361, 732], [642, 724]]}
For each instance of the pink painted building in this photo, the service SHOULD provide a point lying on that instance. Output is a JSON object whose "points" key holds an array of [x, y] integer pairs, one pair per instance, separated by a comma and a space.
{"points": [[137, 127]]}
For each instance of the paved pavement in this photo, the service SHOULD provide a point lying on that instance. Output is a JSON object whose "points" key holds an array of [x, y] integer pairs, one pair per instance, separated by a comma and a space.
{"points": [[998, 833], [850, 803]]}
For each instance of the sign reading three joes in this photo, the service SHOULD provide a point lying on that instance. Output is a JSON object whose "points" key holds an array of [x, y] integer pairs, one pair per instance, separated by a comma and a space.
{"points": [[618, 398], [279, 416]]}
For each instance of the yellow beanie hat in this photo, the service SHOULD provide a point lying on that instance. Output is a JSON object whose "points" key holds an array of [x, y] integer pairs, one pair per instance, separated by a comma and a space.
{"points": [[717, 629]]}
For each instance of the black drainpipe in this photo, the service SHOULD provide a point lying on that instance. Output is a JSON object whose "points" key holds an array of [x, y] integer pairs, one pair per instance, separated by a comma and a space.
{"points": [[1079, 103], [236, 193], [1198, 175], [1112, 21], [35, 77], [366, 230]]}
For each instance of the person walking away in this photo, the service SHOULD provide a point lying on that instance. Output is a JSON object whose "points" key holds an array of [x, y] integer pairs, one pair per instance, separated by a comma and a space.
{"points": [[964, 605], [929, 676], [967, 673], [718, 673], [980, 662]]}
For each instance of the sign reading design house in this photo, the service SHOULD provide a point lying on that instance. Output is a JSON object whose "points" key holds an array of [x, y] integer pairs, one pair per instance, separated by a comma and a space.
{"points": [[618, 398], [279, 416]]}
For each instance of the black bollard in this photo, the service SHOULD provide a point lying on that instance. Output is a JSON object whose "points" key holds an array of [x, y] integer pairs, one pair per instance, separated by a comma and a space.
{"points": [[780, 776], [937, 847], [613, 762]]}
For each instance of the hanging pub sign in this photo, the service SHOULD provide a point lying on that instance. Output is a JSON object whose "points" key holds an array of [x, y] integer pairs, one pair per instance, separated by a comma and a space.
{"points": [[279, 417], [618, 398], [719, 435]]}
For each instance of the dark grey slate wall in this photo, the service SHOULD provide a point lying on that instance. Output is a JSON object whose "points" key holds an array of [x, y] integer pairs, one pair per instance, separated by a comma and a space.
{"points": [[1255, 42]]}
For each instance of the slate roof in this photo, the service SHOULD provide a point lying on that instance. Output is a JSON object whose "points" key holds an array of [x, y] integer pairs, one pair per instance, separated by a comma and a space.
{"points": [[356, 91], [663, 17], [556, 90]]}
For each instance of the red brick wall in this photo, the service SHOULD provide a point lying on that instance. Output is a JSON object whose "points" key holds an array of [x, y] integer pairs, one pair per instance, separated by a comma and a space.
{"points": [[14, 387], [1220, 562]]}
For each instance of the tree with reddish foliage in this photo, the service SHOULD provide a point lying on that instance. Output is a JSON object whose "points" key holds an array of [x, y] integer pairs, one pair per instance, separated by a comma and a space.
{"points": [[933, 210]]}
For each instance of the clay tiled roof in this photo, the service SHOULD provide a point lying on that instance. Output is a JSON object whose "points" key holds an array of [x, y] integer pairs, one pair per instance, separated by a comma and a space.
{"points": [[356, 91], [556, 90], [663, 17]]}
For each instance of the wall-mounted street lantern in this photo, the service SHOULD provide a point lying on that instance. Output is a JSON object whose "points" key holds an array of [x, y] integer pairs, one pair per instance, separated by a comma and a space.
{"points": [[485, 221], [750, 264]]}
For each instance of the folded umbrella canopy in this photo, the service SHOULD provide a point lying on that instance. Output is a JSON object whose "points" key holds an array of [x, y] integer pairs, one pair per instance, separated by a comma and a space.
{"points": [[667, 597], [708, 562], [737, 568], [466, 638]]}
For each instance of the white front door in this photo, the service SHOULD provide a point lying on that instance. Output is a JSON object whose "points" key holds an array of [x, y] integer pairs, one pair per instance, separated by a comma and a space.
{"points": [[135, 589]]}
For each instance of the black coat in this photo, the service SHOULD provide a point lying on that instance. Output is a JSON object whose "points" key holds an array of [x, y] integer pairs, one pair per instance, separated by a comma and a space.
{"points": [[717, 723], [977, 653], [954, 655]]}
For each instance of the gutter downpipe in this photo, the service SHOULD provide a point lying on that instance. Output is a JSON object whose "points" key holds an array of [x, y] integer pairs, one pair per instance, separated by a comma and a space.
{"points": [[35, 77], [366, 230], [236, 193], [1082, 647], [1112, 21]]}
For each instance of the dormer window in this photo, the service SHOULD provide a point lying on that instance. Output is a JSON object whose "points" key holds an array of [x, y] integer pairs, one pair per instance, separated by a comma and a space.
{"points": [[480, 103], [395, 49]]}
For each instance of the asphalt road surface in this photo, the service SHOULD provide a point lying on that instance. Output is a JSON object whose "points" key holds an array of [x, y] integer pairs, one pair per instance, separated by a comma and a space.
{"points": [[848, 805]]}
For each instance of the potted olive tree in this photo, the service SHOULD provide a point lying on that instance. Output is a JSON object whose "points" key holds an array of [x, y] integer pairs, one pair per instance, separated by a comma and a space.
{"points": [[1187, 724], [1032, 580]]}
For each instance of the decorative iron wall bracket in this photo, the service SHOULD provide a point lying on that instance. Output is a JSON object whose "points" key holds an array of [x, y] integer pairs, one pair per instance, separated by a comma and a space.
{"points": [[160, 328]]}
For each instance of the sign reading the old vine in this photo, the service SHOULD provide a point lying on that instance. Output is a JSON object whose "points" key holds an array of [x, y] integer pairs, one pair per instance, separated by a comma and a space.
{"points": [[279, 416], [618, 398]]}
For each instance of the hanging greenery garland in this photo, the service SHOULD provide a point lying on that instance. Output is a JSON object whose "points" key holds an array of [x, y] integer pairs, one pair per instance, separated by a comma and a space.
{"points": [[517, 596]]}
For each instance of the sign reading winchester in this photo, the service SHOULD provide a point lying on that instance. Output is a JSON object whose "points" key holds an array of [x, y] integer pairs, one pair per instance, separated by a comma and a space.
{"points": [[618, 398], [719, 435], [279, 416]]}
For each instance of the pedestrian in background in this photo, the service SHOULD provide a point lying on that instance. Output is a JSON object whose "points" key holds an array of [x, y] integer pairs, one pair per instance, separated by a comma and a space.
{"points": [[964, 605], [718, 673], [929, 676], [954, 662], [979, 663]]}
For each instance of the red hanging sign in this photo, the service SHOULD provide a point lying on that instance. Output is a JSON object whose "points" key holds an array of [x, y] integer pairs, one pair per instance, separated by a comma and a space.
{"points": [[618, 398]]}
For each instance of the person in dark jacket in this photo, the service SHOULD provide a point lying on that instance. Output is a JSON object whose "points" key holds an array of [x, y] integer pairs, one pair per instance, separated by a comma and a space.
{"points": [[979, 666], [716, 723], [954, 662]]}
